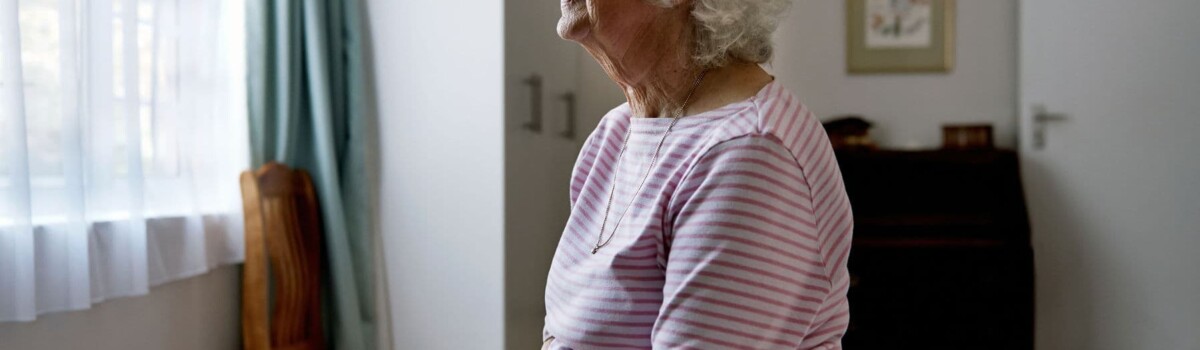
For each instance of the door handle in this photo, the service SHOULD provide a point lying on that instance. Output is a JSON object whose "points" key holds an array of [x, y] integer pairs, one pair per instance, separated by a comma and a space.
{"points": [[535, 103], [1041, 117], [569, 130]]}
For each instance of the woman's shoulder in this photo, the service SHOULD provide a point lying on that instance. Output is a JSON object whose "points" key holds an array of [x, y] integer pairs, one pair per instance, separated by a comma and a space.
{"points": [[778, 115], [774, 112]]}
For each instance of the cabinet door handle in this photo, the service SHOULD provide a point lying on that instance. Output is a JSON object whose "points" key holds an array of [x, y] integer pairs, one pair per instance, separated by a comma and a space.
{"points": [[569, 130], [535, 103]]}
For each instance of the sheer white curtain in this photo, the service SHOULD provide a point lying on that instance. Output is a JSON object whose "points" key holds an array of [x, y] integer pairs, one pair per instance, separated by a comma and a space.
{"points": [[122, 131]]}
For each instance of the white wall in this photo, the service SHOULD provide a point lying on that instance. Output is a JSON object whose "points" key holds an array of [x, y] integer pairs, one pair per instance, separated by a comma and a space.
{"points": [[198, 313], [438, 70], [908, 109]]}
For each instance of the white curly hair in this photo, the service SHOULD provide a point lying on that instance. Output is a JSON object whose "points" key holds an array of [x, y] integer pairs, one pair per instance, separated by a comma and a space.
{"points": [[739, 29]]}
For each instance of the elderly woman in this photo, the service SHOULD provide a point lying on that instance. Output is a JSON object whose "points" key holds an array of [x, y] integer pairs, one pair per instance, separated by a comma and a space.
{"points": [[708, 211]]}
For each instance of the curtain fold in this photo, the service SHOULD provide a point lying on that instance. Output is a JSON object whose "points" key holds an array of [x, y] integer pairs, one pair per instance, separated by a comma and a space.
{"points": [[122, 132], [306, 99]]}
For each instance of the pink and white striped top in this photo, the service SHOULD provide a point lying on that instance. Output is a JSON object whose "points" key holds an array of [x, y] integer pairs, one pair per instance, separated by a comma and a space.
{"points": [[739, 238]]}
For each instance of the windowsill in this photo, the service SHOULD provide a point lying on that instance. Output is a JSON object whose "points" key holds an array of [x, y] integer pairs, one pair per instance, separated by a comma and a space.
{"points": [[111, 218]]}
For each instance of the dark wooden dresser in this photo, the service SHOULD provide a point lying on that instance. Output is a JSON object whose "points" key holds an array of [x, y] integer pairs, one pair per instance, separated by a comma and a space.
{"points": [[941, 256]]}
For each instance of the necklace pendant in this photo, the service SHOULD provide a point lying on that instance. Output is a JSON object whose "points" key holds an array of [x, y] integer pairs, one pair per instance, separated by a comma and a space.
{"points": [[594, 250]]}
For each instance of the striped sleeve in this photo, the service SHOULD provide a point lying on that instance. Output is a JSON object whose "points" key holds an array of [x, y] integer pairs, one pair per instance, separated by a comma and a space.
{"points": [[744, 267]]}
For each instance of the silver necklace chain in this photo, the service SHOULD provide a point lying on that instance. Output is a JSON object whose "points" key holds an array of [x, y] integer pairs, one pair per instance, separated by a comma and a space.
{"points": [[600, 240]]}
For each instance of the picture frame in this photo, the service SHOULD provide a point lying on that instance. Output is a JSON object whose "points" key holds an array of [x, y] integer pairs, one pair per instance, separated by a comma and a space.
{"points": [[900, 36]]}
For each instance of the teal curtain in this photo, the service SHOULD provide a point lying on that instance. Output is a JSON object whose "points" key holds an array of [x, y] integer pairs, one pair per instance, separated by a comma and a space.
{"points": [[307, 104]]}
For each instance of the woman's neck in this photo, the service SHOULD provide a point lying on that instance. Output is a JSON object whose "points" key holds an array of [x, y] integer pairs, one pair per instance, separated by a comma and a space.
{"points": [[657, 74], [664, 94], [728, 84], [653, 69]]}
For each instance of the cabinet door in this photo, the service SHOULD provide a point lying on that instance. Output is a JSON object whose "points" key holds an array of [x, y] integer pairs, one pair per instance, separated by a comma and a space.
{"points": [[539, 156]]}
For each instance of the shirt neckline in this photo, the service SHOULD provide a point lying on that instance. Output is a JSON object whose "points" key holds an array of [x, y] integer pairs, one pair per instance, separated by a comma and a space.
{"points": [[643, 123]]}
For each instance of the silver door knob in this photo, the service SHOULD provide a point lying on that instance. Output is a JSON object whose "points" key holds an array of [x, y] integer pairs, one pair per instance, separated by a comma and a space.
{"points": [[1041, 117]]}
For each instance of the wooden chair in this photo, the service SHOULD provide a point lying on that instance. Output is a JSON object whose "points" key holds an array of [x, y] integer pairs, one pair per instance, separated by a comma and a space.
{"points": [[283, 234]]}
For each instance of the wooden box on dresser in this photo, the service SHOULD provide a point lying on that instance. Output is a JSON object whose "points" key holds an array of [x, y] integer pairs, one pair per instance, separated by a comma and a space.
{"points": [[941, 257]]}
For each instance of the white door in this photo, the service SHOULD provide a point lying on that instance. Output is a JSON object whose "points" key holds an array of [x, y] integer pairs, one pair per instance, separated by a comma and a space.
{"points": [[1114, 191]]}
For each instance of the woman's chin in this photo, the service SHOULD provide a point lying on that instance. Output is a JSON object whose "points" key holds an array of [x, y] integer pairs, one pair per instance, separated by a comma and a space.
{"points": [[573, 26], [572, 32]]}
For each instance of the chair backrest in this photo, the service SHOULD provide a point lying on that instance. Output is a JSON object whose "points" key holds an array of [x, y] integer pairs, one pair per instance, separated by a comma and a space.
{"points": [[283, 236]]}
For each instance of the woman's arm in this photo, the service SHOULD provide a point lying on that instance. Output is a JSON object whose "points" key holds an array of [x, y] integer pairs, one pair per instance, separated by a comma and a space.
{"points": [[745, 268]]}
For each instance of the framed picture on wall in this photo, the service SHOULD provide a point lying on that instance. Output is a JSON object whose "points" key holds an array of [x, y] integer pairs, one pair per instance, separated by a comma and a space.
{"points": [[899, 36]]}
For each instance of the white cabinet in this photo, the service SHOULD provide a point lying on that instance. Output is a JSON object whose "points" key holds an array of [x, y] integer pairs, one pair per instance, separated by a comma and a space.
{"points": [[541, 71]]}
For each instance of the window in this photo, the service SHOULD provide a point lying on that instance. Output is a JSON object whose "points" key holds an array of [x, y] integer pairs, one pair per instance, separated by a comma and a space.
{"points": [[122, 131]]}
